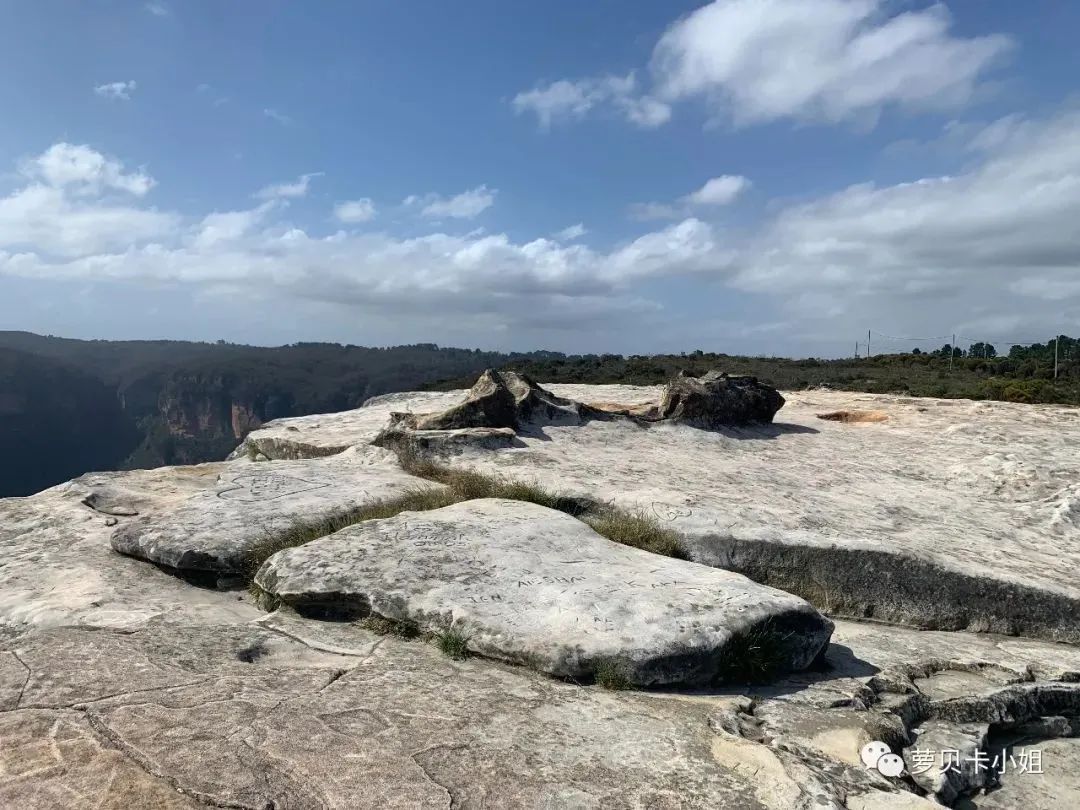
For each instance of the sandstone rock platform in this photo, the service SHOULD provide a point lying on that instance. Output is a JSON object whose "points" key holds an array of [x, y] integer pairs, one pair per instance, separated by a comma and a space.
{"points": [[949, 514], [124, 687], [213, 529], [529, 585]]}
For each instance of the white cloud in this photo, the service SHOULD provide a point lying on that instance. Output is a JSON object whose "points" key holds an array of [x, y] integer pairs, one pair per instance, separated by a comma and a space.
{"points": [[354, 211], [120, 91], [997, 240], [47, 221], [565, 100], [58, 231], [992, 247], [158, 8], [645, 211], [466, 205], [719, 190], [818, 60], [275, 115], [572, 232], [85, 171], [229, 226], [753, 61], [280, 191], [64, 209]]}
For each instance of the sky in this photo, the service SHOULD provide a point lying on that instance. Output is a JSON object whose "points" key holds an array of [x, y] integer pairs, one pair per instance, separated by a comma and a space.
{"points": [[769, 177]]}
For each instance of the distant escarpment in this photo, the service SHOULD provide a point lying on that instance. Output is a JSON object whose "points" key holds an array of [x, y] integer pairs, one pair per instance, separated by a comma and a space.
{"points": [[73, 406]]}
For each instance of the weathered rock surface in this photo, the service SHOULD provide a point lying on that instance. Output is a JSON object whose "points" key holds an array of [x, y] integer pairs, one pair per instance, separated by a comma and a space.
{"points": [[948, 775], [951, 514], [121, 687], [329, 433], [1057, 786], [213, 529], [718, 400], [503, 399], [533, 586]]}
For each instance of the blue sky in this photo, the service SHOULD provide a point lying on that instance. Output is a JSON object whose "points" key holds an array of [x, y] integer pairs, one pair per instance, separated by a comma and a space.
{"points": [[762, 176]]}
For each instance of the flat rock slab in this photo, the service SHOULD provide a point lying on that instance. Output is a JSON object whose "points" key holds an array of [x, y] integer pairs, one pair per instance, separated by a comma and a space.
{"points": [[213, 529], [534, 586], [951, 514], [327, 434]]}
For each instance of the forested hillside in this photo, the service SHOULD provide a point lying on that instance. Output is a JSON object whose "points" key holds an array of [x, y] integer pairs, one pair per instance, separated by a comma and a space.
{"points": [[55, 423], [69, 406], [1025, 374]]}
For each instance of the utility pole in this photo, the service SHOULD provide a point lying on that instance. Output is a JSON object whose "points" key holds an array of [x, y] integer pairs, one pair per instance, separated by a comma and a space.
{"points": [[867, 344], [1057, 340], [952, 350], [856, 350]]}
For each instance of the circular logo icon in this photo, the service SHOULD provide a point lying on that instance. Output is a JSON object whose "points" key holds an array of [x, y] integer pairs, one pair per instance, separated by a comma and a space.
{"points": [[890, 765], [872, 752]]}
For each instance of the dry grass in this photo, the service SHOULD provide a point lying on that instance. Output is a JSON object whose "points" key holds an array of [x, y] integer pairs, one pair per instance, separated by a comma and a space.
{"points": [[382, 626], [853, 416], [303, 532], [637, 529]]}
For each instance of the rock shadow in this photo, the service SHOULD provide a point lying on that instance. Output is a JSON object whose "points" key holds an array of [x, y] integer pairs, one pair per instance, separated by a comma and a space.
{"points": [[762, 432], [836, 661]]}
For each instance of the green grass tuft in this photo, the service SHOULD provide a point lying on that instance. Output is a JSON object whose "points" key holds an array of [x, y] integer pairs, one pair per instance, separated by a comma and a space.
{"points": [[453, 644], [610, 674]]}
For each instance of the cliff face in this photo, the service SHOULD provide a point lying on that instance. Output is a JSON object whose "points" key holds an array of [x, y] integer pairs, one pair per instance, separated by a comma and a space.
{"points": [[202, 417], [72, 406], [56, 422]]}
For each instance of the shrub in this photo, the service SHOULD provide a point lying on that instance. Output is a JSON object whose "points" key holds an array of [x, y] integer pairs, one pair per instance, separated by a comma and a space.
{"points": [[610, 674]]}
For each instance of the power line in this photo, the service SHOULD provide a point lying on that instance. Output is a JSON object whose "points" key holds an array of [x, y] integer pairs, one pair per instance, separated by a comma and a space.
{"points": [[894, 337]]}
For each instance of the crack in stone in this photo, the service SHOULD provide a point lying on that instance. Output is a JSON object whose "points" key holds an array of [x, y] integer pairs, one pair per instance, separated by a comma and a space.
{"points": [[111, 739], [26, 680], [451, 800], [317, 647]]}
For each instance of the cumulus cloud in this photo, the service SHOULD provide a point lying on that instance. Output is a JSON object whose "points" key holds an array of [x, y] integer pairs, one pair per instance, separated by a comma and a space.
{"points": [[572, 232], [84, 170], [64, 209], [120, 91], [59, 230], [719, 190], [998, 240], [466, 205], [984, 250], [354, 211], [566, 100], [281, 191], [754, 61], [157, 8]]}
